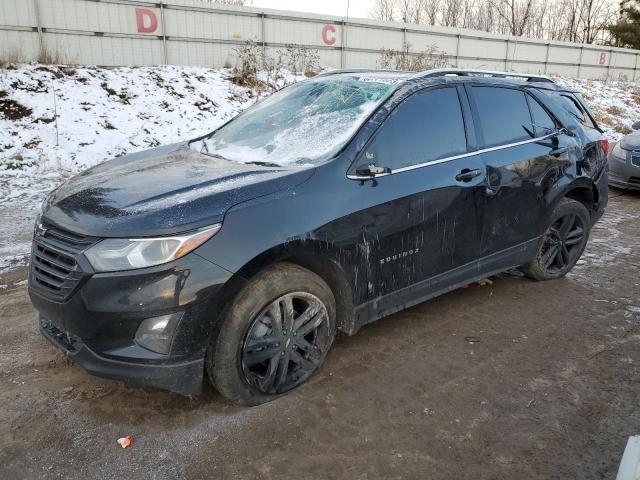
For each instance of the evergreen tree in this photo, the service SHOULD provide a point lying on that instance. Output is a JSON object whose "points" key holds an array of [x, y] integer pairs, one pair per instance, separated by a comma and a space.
{"points": [[626, 33]]}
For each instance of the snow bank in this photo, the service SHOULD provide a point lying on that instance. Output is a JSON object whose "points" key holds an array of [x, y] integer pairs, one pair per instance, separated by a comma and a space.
{"points": [[103, 113], [615, 104]]}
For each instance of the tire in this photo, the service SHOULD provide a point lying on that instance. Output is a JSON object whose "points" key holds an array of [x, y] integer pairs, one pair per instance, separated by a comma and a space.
{"points": [[258, 338], [563, 242]]}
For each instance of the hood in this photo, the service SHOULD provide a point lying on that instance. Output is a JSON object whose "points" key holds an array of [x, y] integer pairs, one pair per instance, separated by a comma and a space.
{"points": [[161, 191], [631, 141]]}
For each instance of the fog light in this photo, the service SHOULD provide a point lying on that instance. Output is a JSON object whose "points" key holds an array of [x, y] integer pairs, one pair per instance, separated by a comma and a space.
{"points": [[156, 333]]}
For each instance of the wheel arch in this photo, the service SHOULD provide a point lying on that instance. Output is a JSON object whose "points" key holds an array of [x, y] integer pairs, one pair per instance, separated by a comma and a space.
{"points": [[316, 257], [582, 190]]}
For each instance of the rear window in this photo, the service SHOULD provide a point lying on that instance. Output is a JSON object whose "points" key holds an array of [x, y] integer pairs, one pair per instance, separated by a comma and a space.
{"points": [[504, 115]]}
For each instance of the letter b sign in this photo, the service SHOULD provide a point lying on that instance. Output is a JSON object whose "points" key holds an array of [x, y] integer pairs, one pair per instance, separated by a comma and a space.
{"points": [[602, 59]]}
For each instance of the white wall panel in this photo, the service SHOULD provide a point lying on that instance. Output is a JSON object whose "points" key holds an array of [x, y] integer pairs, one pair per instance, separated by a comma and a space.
{"points": [[525, 51], [359, 37], [564, 55], [91, 50], [299, 32], [185, 24], [110, 32], [488, 49], [17, 13], [420, 42], [97, 16], [23, 44]]}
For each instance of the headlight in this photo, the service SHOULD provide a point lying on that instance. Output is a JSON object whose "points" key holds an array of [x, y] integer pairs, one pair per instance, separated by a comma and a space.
{"points": [[114, 254], [619, 153]]}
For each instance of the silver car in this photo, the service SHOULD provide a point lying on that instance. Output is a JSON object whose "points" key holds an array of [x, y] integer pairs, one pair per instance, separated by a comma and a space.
{"points": [[624, 161]]}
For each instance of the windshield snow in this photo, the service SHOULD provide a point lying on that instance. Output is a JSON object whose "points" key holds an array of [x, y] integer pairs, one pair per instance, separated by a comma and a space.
{"points": [[305, 123]]}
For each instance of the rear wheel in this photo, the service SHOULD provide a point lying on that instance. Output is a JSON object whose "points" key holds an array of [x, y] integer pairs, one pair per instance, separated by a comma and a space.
{"points": [[274, 336], [563, 242]]}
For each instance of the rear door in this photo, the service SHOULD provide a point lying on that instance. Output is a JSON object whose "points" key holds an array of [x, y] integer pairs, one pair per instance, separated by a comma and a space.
{"points": [[423, 217], [525, 157]]}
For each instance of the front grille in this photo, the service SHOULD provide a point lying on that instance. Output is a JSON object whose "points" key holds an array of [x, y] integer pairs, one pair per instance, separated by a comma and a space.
{"points": [[55, 271], [635, 159]]}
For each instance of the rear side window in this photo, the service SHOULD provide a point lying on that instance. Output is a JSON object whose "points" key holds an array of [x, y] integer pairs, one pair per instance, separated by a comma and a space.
{"points": [[543, 124], [427, 126], [504, 115]]}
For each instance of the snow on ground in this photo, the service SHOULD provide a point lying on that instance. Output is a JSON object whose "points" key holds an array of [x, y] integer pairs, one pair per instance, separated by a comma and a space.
{"points": [[615, 104], [102, 113]]}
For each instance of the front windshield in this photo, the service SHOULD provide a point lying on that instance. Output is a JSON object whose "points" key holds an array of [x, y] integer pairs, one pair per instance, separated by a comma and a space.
{"points": [[305, 123]]}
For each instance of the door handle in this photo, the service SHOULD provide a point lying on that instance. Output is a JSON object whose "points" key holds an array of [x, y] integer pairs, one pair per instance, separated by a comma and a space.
{"points": [[467, 174]]}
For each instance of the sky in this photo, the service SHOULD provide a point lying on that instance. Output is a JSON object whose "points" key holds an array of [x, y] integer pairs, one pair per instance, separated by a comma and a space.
{"points": [[357, 8]]}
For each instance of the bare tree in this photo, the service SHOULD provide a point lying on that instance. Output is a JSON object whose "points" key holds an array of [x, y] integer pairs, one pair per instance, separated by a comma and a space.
{"points": [[383, 10], [568, 20], [452, 13]]}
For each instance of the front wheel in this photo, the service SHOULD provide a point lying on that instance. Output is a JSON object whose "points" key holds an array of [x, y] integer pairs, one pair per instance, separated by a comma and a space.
{"points": [[274, 336], [563, 242]]}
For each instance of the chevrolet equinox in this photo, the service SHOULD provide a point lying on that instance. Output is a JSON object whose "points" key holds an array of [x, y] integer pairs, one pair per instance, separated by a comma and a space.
{"points": [[336, 201]]}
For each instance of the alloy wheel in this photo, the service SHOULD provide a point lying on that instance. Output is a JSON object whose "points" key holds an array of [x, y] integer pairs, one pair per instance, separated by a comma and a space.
{"points": [[563, 243], [285, 343]]}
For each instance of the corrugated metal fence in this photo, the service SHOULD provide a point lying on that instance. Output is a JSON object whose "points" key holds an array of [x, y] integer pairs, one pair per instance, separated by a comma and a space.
{"points": [[190, 32]]}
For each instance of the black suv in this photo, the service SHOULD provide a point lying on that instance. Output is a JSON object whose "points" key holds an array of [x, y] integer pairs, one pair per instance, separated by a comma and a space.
{"points": [[334, 202]]}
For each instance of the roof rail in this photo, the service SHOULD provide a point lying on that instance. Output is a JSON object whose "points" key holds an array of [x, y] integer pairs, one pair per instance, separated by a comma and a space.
{"points": [[361, 70], [464, 72]]}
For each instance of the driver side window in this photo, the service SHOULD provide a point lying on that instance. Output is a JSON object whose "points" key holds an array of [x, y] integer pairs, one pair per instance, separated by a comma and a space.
{"points": [[427, 126]]}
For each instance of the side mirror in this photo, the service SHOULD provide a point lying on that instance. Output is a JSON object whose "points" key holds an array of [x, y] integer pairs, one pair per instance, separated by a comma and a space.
{"points": [[636, 126], [371, 171]]}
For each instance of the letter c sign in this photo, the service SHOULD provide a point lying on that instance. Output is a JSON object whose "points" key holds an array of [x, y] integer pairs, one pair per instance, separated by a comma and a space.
{"points": [[329, 34], [602, 60], [146, 20]]}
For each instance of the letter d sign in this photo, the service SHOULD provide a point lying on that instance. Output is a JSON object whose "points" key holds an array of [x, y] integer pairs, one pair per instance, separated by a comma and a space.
{"points": [[146, 20]]}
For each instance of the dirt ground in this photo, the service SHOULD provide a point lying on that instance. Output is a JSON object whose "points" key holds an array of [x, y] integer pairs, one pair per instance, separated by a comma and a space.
{"points": [[513, 380]]}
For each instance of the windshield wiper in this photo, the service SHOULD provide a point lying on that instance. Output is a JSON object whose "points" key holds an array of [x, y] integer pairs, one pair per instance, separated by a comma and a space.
{"points": [[263, 164], [216, 155]]}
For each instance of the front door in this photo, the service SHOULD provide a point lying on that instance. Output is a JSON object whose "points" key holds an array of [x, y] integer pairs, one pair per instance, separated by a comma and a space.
{"points": [[422, 224]]}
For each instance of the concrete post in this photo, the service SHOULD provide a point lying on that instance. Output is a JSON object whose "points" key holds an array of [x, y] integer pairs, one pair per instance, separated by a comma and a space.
{"points": [[343, 39], [506, 56], [164, 34], [580, 61], [36, 6], [263, 39], [546, 59]]}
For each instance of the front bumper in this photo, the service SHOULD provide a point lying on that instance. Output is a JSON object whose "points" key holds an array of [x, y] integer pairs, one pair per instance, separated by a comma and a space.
{"points": [[184, 378], [625, 172], [96, 325]]}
